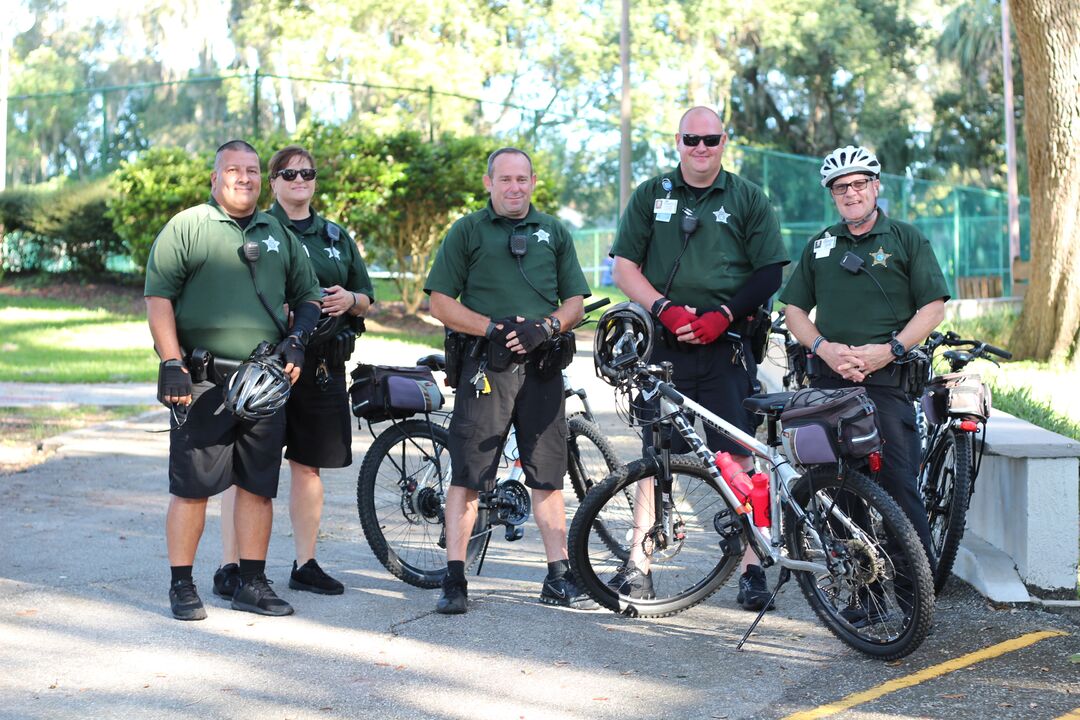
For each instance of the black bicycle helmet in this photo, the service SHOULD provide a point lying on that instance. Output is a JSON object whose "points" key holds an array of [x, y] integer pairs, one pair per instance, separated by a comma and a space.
{"points": [[259, 387], [624, 336], [326, 328]]}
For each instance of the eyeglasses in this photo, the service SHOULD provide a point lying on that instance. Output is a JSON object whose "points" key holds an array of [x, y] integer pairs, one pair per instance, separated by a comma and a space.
{"points": [[290, 174], [692, 140], [856, 185]]}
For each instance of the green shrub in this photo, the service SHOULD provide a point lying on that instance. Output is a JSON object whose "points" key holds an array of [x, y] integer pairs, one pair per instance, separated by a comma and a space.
{"points": [[150, 190], [58, 227]]}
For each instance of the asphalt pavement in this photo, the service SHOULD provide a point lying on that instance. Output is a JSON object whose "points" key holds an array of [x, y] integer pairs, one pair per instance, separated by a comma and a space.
{"points": [[85, 627]]}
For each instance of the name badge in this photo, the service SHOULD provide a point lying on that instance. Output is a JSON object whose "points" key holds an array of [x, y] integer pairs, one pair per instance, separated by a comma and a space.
{"points": [[823, 246], [664, 208]]}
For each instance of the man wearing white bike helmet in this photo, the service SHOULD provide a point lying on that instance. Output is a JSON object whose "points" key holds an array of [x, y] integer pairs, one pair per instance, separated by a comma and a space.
{"points": [[879, 291]]}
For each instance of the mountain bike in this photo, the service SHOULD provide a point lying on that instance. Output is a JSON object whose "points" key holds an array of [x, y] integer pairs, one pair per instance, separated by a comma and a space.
{"points": [[402, 484], [952, 411], [794, 359], [855, 555]]}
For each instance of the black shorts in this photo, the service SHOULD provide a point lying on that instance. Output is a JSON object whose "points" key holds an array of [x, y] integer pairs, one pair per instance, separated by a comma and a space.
{"points": [[714, 375], [479, 427], [319, 421], [209, 453]]}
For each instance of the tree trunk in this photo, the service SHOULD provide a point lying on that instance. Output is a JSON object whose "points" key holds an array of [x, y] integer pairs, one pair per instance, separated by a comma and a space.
{"points": [[1049, 38]]}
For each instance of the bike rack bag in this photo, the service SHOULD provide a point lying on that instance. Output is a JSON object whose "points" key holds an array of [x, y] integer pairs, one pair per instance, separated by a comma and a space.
{"points": [[384, 392], [961, 395], [820, 426]]}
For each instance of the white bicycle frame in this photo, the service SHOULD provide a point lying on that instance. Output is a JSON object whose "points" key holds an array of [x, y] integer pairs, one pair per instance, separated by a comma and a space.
{"points": [[679, 410]]}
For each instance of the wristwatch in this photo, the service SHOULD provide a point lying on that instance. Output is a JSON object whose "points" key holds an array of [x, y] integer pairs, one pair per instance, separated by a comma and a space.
{"points": [[556, 326], [898, 349]]}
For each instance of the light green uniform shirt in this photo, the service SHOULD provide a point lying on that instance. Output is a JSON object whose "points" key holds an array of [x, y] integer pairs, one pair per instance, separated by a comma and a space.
{"points": [[474, 265], [851, 308], [197, 262]]}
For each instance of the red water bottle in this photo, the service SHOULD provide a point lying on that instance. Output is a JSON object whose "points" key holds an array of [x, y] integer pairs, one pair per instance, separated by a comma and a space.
{"points": [[759, 499], [736, 477]]}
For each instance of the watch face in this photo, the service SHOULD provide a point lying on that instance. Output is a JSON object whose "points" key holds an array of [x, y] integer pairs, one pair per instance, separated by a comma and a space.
{"points": [[898, 348]]}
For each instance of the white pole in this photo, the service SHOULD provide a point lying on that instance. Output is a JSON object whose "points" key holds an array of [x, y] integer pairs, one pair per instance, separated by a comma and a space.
{"points": [[1010, 143], [624, 109], [4, 57]]}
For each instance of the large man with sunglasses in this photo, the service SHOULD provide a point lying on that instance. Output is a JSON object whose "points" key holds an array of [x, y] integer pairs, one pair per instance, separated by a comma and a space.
{"points": [[878, 290], [701, 248], [218, 277]]}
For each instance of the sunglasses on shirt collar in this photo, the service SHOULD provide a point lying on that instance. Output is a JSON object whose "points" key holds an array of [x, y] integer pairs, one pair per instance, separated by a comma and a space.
{"points": [[290, 174], [690, 140]]}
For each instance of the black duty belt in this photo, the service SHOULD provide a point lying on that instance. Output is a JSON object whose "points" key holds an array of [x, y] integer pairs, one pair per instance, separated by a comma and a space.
{"points": [[892, 375]]}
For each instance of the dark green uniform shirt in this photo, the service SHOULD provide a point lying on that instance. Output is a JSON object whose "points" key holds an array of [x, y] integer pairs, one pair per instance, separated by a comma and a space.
{"points": [[197, 262], [335, 262], [737, 233], [850, 308], [474, 264]]}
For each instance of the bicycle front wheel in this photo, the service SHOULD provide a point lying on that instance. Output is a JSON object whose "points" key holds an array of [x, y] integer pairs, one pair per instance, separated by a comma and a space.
{"points": [[590, 457], [401, 497], [690, 550], [946, 491], [878, 593]]}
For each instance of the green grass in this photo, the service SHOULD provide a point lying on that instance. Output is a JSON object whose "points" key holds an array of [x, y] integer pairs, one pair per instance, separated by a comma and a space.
{"points": [[47, 340], [34, 424], [1018, 401]]}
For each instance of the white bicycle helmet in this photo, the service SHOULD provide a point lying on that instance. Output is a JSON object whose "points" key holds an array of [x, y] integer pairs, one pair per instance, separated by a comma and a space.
{"points": [[624, 336], [258, 388], [846, 160]]}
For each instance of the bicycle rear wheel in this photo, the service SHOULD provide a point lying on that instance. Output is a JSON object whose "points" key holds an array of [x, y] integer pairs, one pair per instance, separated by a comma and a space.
{"points": [[401, 497], [590, 457], [946, 491], [686, 567], [878, 594]]}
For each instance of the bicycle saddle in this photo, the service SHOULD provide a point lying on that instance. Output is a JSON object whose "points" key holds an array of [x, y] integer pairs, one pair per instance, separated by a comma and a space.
{"points": [[768, 403]]}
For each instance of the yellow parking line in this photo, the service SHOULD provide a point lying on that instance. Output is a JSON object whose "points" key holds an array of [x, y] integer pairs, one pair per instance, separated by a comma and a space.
{"points": [[1074, 715], [927, 674]]}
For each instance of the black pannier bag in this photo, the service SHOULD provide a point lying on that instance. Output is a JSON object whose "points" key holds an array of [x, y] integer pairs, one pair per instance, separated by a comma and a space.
{"points": [[956, 395], [383, 392], [821, 426]]}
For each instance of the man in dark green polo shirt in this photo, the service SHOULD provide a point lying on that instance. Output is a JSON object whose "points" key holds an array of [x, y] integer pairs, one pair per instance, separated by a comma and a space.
{"points": [[701, 248], [508, 279], [200, 293], [878, 290]]}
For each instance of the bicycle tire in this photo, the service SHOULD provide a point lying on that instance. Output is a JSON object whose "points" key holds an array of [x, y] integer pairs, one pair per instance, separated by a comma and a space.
{"points": [[946, 493], [590, 457], [684, 573], [400, 496], [884, 574]]}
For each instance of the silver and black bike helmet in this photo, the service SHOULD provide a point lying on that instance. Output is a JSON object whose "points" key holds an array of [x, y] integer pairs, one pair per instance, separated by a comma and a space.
{"points": [[326, 328], [847, 160], [258, 388], [624, 336]]}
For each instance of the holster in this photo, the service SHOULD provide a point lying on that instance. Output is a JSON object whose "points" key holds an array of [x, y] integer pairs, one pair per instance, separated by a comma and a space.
{"points": [[555, 355], [203, 366], [456, 347]]}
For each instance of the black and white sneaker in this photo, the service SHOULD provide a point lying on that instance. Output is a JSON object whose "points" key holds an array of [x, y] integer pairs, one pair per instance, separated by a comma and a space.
{"points": [[754, 590], [258, 597], [564, 592], [185, 601], [631, 582], [226, 580]]}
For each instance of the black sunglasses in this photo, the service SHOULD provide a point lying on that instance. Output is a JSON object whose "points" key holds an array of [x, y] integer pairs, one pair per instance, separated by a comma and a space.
{"points": [[693, 140], [290, 174]]}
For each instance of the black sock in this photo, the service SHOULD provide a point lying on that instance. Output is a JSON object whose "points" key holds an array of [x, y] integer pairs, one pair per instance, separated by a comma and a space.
{"points": [[180, 572], [250, 568], [455, 570], [557, 568]]}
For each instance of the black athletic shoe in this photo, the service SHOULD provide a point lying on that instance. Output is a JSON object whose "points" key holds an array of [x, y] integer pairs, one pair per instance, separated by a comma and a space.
{"points": [[866, 608], [564, 592], [258, 597], [310, 577], [185, 601], [753, 590], [631, 582], [454, 599], [226, 580]]}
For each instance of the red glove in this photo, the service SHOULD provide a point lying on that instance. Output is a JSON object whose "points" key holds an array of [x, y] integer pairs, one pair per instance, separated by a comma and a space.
{"points": [[710, 326], [676, 316]]}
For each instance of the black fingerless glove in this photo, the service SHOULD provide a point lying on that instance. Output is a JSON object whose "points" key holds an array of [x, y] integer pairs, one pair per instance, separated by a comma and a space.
{"points": [[532, 334], [291, 350], [498, 335], [173, 381]]}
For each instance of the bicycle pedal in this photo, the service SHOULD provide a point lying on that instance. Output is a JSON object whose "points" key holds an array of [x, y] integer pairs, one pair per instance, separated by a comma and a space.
{"points": [[514, 532]]}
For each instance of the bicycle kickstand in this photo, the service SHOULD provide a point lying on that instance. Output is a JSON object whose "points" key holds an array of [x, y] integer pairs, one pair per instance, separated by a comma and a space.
{"points": [[785, 575], [483, 553]]}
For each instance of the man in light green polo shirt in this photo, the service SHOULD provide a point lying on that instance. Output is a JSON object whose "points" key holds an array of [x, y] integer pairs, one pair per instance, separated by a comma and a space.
{"points": [[218, 278]]}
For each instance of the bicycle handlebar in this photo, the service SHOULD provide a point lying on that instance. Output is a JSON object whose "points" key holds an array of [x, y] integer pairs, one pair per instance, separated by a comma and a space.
{"points": [[596, 305]]}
